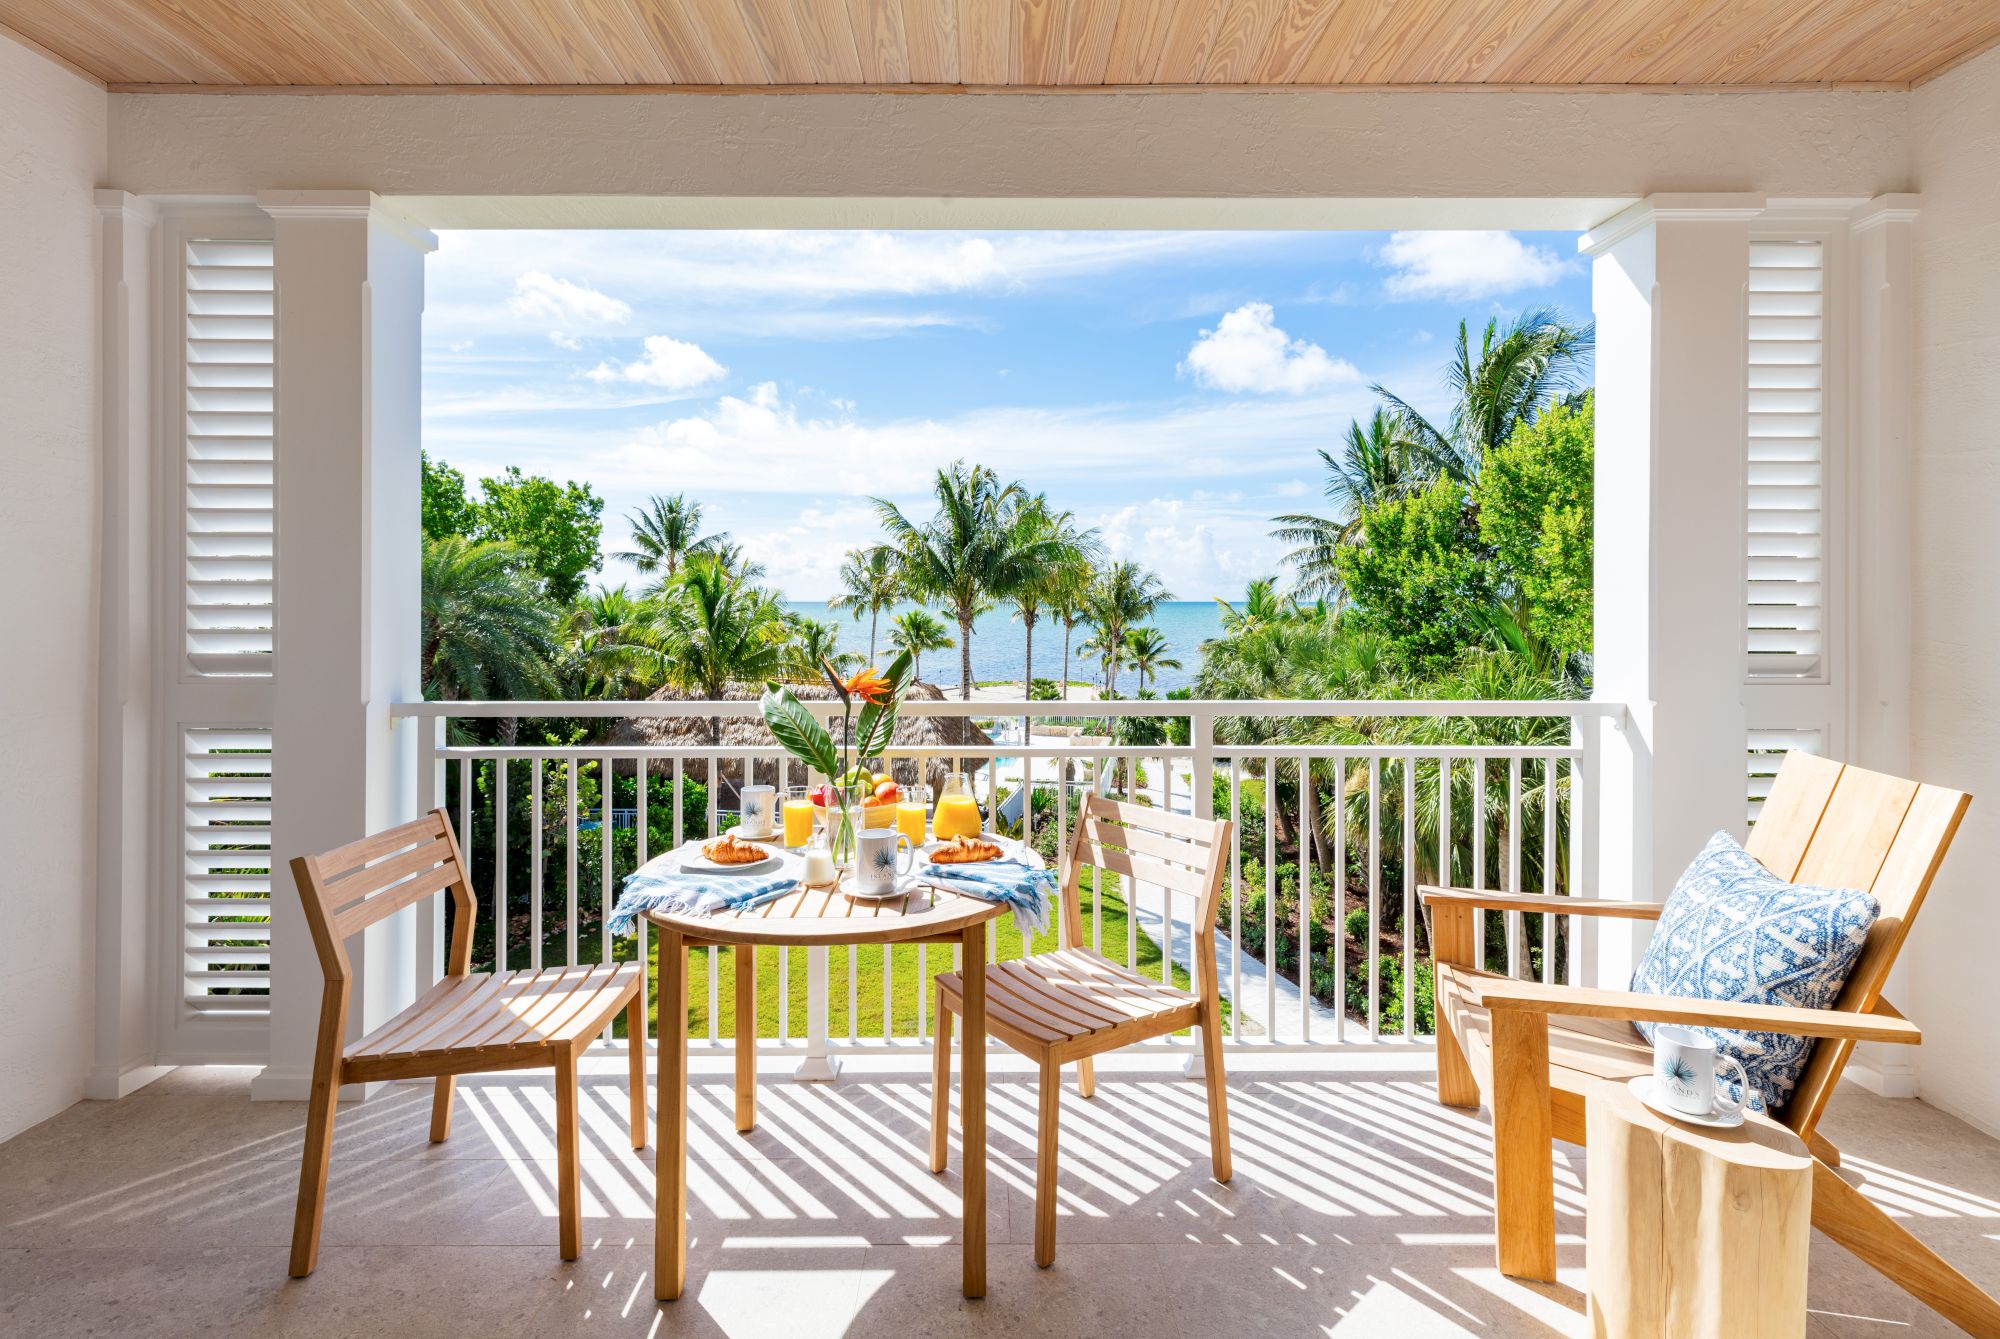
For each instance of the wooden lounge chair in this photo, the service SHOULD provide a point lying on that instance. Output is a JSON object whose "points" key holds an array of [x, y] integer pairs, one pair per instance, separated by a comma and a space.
{"points": [[1530, 1050], [468, 1023], [1074, 1004]]}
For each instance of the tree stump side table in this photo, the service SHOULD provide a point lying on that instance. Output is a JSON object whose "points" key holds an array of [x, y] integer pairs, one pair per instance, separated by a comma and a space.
{"points": [[1694, 1233]]}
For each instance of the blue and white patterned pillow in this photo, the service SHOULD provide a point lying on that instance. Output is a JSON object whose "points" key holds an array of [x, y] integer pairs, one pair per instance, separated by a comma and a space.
{"points": [[1734, 931]]}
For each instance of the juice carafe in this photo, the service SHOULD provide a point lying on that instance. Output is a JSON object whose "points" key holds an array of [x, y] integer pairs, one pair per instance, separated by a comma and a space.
{"points": [[912, 810], [957, 812]]}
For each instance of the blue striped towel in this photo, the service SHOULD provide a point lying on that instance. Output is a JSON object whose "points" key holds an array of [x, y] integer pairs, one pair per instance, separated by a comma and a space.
{"points": [[1027, 890], [658, 885]]}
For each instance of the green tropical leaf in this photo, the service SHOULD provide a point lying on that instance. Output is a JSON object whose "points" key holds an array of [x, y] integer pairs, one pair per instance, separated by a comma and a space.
{"points": [[799, 731], [876, 724]]}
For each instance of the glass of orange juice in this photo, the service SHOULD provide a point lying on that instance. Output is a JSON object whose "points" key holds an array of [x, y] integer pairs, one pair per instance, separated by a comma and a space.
{"points": [[799, 812], [957, 812], [912, 809]]}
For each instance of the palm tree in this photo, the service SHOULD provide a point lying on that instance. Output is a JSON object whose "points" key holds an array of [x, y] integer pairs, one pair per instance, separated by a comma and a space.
{"points": [[869, 581], [1069, 581], [1377, 463], [1146, 652], [488, 631], [969, 553], [1109, 653], [1124, 595], [1519, 372], [607, 637], [664, 532], [815, 642], [1262, 604], [1038, 524], [918, 631], [714, 629], [730, 557]]}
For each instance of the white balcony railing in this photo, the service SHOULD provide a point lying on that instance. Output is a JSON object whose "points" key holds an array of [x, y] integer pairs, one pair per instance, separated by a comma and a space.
{"points": [[1485, 794]]}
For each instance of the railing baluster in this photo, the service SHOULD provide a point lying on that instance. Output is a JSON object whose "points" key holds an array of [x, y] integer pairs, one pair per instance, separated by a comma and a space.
{"points": [[1339, 906], [499, 907], [1374, 898], [1478, 817], [1409, 897], [607, 777], [535, 873], [1548, 865], [1308, 840], [569, 850], [1271, 898], [1235, 898], [643, 845], [1512, 919]]}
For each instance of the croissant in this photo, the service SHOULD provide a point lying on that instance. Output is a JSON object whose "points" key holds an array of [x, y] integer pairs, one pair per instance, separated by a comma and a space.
{"points": [[965, 851], [729, 849]]}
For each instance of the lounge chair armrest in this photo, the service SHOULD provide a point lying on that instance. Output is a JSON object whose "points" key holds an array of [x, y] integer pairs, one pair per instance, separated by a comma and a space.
{"points": [[1534, 997], [1543, 903]]}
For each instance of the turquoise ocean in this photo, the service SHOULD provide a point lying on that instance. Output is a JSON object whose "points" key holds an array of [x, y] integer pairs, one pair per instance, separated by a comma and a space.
{"points": [[999, 649]]}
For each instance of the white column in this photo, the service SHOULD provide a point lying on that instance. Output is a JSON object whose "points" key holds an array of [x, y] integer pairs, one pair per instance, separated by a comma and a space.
{"points": [[1667, 288], [1877, 368], [126, 1043], [350, 283]]}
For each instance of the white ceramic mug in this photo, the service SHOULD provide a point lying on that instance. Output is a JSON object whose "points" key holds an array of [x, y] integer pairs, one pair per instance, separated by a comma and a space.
{"points": [[1685, 1078], [876, 866], [758, 812]]}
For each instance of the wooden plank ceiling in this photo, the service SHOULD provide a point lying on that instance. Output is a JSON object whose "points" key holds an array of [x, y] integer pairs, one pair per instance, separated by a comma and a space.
{"points": [[634, 44]]}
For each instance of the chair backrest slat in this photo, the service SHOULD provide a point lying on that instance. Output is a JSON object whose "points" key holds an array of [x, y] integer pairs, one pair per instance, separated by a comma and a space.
{"points": [[1177, 853], [350, 888], [1846, 827]]}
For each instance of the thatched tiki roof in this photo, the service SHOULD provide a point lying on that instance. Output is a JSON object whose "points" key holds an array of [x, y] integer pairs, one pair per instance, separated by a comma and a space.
{"points": [[748, 731]]}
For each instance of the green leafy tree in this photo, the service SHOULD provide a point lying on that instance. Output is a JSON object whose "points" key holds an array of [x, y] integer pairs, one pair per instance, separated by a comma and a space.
{"points": [[1421, 578], [1377, 463], [870, 581], [1535, 512], [1123, 596], [968, 553], [555, 525], [713, 630], [488, 631], [608, 640], [446, 509], [1067, 593], [664, 532], [1146, 651], [918, 631]]}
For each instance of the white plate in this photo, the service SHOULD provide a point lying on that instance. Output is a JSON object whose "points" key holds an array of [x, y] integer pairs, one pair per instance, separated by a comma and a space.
{"points": [[1008, 848], [1642, 1088], [694, 862], [905, 885]]}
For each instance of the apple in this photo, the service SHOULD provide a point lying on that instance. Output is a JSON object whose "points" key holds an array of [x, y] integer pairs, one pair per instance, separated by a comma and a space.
{"points": [[822, 795], [886, 791]]}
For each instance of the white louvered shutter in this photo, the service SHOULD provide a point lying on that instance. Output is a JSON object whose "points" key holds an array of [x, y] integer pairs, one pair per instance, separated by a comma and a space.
{"points": [[226, 870], [1785, 604], [230, 482], [1766, 754]]}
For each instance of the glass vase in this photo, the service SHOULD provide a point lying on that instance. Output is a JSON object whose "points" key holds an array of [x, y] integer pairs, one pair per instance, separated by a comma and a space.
{"points": [[843, 819]]}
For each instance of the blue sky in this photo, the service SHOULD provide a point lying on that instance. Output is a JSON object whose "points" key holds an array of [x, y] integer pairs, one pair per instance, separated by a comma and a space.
{"points": [[1169, 388]]}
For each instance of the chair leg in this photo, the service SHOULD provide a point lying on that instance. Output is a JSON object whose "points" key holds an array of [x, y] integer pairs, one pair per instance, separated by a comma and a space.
{"points": [[1045, 1165], [441, 1108], [312, 1170], [635, 1048], [1456, 1085], [1856, 1222], [941, 1089], [1086, 1077], [569, 1169], [1218, 1093], [1524, 1190]]}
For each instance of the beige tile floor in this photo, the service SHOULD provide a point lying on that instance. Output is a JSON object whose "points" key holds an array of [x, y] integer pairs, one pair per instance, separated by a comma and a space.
{"points": [[1359, 1207]]}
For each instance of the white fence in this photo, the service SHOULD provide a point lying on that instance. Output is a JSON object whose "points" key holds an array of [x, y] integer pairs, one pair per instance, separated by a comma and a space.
{"points": [[1482, 794]]}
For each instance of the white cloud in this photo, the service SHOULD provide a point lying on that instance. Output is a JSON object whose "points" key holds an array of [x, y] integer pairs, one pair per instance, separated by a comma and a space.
{"points": [[673, 364], [1460, 266], [1248, 352], [545, 297], [564, 340], [1199, 550]]}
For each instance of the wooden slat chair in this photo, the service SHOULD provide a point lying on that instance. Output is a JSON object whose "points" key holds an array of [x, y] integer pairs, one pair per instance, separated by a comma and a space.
{"points": [[1073, 1004], [469, 1023], [1532, 1050]]}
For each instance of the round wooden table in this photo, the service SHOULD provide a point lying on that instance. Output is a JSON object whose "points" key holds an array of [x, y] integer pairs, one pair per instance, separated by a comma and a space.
{"points": [[814, 918]]}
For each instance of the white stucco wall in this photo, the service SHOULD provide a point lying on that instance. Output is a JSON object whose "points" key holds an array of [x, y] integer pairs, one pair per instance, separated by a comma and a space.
{"points": [[52, 156], [1955, 670]]}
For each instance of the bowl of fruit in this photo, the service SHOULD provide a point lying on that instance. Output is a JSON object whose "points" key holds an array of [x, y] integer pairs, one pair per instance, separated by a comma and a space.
{"points": [[878, 791]]}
